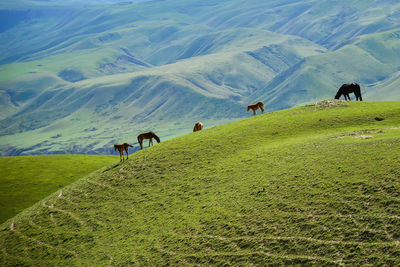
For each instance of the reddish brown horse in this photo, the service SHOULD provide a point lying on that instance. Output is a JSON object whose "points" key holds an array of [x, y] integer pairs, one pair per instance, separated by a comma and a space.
{"points": [[198, 126], [121, 148], [254, 107], [147, 135]]}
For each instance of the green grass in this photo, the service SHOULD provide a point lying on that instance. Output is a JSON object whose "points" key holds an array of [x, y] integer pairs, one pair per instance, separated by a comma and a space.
{"points": [[28, 179], [199, 55], [311, 185]]}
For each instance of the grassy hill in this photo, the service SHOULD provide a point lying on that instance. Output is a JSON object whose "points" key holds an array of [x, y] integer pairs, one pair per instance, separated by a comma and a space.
{"points": [[125, 67], [26, 180], [317, 184]]}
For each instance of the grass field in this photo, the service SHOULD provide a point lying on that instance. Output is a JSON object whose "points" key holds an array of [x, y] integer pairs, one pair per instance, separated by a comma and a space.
{"points": [[26, 180], [318, 184]]}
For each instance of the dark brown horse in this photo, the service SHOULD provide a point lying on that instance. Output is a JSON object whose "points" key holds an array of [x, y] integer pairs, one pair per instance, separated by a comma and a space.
{"points": [[121, 148], [254, 107], [198, 126], [348, 88], [148, 135]]}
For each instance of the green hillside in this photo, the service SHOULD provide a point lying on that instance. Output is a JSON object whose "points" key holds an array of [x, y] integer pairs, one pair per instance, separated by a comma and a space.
{"points": [[131, 66], [167, 100], [317, 184], [26, 180], [371, 61]]}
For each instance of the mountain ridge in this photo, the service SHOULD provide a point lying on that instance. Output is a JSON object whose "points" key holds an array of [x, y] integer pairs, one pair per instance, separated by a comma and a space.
{"points": [[285, 53]]}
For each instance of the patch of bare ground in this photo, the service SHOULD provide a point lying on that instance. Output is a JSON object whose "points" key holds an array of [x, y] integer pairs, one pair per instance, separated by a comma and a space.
{"points": [[328, 104], [362, 134], [324, 104]]}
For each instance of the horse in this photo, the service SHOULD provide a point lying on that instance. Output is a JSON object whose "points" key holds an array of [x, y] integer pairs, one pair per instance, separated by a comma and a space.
{"points": [[121, 149], [198, 126], [348, 88], [147, 135], [254, 107]]}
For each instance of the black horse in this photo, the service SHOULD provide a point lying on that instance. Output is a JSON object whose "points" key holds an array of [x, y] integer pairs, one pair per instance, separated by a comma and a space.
{"points": [[348, 88]]}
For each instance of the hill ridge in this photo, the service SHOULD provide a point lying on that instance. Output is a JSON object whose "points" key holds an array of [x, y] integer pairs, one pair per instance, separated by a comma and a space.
{"points": [[271, 189]]}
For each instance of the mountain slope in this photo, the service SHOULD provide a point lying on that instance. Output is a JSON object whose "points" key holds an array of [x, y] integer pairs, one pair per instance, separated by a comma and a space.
{"points": [[369, 61], [167, 99], [216, 53], [311, 185]]}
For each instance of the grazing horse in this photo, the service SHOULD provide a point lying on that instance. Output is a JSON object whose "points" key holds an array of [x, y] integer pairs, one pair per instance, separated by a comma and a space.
{"points": [[121, 149], [348, 88], [198, 126], [254, 107], [148, 135]]}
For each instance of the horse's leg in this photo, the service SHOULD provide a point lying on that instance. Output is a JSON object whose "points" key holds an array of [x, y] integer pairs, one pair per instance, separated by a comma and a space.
{"points": [[254, 111], [358, 96], [127, 154], [262, 110]]}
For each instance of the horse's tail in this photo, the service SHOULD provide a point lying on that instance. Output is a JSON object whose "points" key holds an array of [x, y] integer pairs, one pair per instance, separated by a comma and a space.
{"points": [[156, 137], [115, 147], [358, 89], [138, 138], [130, 145]]}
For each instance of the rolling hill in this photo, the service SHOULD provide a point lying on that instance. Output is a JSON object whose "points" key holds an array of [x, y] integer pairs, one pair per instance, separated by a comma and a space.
{"points": [[125, 67], [26, 180], [314, 185]]}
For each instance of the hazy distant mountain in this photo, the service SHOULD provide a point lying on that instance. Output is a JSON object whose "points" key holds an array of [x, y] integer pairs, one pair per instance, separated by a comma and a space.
{"points": [[78, 77]]}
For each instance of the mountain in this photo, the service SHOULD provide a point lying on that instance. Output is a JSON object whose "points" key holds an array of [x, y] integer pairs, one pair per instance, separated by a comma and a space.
{"points": [[312, 185], [377, 60], [101, 72]]}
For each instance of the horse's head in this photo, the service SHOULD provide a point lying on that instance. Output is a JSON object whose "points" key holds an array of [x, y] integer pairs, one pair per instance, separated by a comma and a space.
{"points": [[338, 94], [157, 138], [115, 147], [248, 108]]}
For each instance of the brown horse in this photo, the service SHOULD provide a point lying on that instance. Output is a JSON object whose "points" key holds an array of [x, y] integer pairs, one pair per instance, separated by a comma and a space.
{"points": [[254, 107], [198, 126], [148, 135], [121, 148]]}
